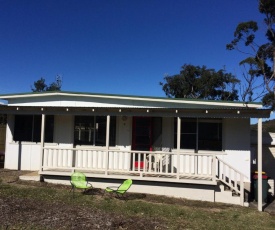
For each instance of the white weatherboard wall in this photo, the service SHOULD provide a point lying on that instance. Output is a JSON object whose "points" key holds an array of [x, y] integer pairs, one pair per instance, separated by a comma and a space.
{"points": [[64, 130], [236, 144], [63, 138], [24, 156], [167, 133], [237, 149], [124, 132], [30, 152]]}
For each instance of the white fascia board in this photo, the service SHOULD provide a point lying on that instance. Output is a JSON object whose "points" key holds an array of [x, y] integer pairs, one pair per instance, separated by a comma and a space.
{"points": [[136, 98]]}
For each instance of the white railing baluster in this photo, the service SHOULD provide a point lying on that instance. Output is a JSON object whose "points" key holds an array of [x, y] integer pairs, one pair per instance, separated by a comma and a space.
{"points": [[53, 158], [65, 158], [196, 165], [213, 167], [121, 154], [176, 165], [233, 184], [144, 161], [235, 179], [138, 162], [229, 176], [208, 167], [96, 163], [242, 190], [117, 161], [45, 160]]}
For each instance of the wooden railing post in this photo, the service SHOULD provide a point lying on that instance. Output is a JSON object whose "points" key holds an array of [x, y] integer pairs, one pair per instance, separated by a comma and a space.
{"points": [[241, 190], [213, 167]]}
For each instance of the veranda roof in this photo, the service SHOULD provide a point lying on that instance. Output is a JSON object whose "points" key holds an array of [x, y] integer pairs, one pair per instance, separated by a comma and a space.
{"points": [[73, 103]]}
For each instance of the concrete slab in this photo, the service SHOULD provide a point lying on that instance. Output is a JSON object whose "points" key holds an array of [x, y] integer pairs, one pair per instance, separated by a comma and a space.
{"points": [[270, 208], [33, 176], [267, 207]]}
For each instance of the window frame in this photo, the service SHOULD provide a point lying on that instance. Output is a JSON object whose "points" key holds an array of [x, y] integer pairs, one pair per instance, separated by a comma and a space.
{"points": [[197, 138], [31, 126], [97, 126]]}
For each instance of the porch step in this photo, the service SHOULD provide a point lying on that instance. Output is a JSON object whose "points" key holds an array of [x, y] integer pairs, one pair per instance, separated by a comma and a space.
{"points": [[33, 176], [226, 196]]}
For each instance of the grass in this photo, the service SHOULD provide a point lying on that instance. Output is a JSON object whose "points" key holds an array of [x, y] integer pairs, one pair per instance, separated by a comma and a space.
{"points": [[175, 213]]}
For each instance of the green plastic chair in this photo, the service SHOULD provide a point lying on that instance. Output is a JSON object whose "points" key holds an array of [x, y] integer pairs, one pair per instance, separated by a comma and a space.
{"points": [[120, 190], [78, 180]]}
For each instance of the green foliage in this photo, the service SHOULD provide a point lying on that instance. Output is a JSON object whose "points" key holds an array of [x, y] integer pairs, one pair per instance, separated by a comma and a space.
{"points": [[202, 83], [244, 31], [268, 100], [41, 86], [261, 57]]}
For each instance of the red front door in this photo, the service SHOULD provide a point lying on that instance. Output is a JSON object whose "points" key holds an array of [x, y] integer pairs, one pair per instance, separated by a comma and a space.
{"points": [[141, 137]]}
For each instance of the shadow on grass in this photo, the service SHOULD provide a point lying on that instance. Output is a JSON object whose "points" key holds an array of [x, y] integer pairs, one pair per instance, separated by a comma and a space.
{"points": [[93, 191], [101, 192], [135, 196], [126, 197]]}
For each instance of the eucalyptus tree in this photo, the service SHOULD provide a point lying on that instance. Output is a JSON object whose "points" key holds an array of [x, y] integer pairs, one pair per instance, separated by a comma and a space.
{"points": [[40, 85], [201, 83], [260, 57]]}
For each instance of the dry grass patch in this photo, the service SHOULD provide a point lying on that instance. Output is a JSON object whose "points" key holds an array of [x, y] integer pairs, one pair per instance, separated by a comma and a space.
{"points": [[40, 205]]}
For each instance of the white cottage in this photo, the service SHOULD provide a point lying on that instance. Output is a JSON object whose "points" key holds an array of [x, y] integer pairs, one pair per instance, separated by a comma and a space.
{"points": [[177, 147]]}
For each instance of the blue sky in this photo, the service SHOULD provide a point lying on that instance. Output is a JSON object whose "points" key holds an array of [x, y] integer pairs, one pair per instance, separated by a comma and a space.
{"points": [[115, 46]]}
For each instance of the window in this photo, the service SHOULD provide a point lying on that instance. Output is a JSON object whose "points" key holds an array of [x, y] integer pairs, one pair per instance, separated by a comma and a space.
{"points": [[91, 130], [28, 128], [199, 134]]}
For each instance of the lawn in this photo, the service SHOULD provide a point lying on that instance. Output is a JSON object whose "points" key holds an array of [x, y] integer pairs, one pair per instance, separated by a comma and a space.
{"points": [[39, 205]]}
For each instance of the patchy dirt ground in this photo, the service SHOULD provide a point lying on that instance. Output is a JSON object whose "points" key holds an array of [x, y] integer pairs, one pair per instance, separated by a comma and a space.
{"points": [[23, 213]]}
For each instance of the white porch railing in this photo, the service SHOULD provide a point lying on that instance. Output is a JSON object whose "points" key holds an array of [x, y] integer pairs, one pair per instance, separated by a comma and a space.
{"points": [[231, 177], [192, 166], [141, 163]]}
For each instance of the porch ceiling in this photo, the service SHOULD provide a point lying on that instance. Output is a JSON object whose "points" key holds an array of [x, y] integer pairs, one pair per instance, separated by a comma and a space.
{"points": [[224, 112]]}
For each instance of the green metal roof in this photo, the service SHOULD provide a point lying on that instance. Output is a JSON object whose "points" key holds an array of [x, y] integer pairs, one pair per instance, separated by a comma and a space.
{"points": [[46, 93]]}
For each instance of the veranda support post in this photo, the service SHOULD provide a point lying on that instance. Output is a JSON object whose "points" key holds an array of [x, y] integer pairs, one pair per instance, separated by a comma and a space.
{"points": [[42, 141], [260, 162], [178, 146], [107, 143]]}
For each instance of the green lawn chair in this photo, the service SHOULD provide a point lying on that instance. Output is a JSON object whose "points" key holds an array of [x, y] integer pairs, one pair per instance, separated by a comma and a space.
{"points": [[120, 190], [78, 180]]}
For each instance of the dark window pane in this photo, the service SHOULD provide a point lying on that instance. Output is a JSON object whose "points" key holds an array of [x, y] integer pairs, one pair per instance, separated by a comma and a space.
{"points": [[22, 128], [113, 131], [100, 139], [28, 128], [36, 129], [188, 133], [49, 129], [210, 136], [91, 130], [188, 141], [188, 125], [84, 130]]}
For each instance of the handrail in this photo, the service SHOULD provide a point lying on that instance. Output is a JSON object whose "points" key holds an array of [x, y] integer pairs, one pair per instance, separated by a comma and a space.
{"points": [[130, 151], [231, 167], [196, 165], [226, 178]]}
